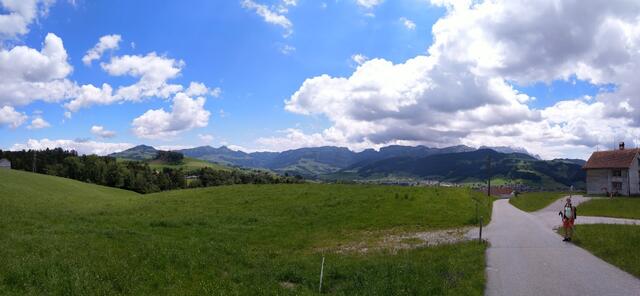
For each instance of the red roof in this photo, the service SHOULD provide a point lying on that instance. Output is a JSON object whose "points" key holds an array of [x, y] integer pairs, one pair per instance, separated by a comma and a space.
{"points": [[616, 159], [500, 190]]}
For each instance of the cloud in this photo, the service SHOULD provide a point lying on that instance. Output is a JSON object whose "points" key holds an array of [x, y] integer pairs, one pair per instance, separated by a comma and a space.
{"points": [[199, 89], [464, 89], [287, 49], [10, 117], [407, 23], [107, 42], [207, 138], [359, 59], [88, 95], [369, 3], [27, 75], [270, 16], [81, 146], [99, 131], [186, 114], [38, 123], [19, 15], [153, 70], [600, 45]]}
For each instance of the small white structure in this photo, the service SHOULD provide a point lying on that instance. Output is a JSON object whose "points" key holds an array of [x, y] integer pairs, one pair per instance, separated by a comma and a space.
{"points": [[5, 164], [616, 172]]}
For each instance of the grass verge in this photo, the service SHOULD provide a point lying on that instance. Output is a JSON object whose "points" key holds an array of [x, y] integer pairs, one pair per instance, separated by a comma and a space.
{"points": [[533, 201], [615, 244], [618, 207]]}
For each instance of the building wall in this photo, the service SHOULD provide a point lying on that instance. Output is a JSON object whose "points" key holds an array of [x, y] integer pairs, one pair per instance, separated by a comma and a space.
{"points": [[634, 176], [597, 180]]}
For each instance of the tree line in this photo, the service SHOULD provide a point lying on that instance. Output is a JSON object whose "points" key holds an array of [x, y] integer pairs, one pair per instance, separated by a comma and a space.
{"points": [[132, 175]]}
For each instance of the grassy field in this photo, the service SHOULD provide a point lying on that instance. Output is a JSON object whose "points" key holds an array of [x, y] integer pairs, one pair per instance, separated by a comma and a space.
{"points": [[615, 244], [533, 201], [63, 237], [618, 207], [187, 164]]}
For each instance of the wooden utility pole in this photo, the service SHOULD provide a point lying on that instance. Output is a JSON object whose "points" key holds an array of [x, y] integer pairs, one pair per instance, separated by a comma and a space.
{"points": [[489, 176]]}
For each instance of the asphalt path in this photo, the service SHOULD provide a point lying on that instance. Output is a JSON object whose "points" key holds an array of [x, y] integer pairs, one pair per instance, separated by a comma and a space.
{"points": [[526, 257]]}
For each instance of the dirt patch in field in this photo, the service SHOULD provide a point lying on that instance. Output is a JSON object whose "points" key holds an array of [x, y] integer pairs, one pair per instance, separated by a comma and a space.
{"points": [[288, 285], [409, 240]]}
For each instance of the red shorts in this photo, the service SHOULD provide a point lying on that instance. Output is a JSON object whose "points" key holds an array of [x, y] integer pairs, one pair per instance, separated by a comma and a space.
{"points": [[567, 223]]}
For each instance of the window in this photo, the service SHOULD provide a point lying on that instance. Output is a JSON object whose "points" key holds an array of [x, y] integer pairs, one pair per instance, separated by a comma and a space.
{"points": [[617, 186], [617, 173]]}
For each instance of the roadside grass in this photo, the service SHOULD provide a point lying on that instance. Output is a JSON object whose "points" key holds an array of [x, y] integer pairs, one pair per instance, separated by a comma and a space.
{"points": [[618, 207], [533, 201], [63, 237], [616, 244]]}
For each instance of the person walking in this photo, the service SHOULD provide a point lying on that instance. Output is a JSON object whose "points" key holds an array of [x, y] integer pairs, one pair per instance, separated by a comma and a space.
{"points": [[569, 214]]}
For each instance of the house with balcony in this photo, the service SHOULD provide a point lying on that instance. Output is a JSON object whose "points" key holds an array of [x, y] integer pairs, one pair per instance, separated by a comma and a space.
{"points": [[614, 172]]}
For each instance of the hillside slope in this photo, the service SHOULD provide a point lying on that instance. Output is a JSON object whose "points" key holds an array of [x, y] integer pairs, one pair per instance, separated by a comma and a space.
{"points": [[187, 164], [140, 152], [65, 237], [472, 167]]}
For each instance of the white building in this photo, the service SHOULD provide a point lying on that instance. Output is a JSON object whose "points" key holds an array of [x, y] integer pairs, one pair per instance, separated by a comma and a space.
{"points": [[616, 172], [5, 164]]}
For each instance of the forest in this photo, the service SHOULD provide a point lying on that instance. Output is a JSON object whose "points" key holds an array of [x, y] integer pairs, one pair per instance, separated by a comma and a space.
{"points": [[133, 175]]}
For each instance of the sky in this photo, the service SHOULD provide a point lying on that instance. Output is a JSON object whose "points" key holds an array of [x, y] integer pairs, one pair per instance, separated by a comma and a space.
{"points": [[557, 78]]}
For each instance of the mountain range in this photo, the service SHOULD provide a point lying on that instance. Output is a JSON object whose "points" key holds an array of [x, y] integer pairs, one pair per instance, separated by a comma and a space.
{"points": [[460, 164]]}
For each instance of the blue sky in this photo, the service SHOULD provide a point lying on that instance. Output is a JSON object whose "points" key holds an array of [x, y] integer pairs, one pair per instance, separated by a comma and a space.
{"points": [[254, 66]]}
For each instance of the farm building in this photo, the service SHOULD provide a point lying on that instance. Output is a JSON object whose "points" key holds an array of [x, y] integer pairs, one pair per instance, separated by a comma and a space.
{"points": [[616, 172], [5, 164]]}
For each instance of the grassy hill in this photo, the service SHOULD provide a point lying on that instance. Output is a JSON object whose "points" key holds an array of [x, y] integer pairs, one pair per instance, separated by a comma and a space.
{"points": [[65, 237], [140, 152], [187, 164], [471, 167]]}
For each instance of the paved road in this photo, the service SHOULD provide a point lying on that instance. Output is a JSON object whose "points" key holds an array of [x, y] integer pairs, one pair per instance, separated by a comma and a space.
{"points": [[527, 258]]}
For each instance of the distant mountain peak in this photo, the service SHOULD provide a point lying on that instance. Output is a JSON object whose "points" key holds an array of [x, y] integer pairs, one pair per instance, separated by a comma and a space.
{"points": [[508, 150], [140, 152]]}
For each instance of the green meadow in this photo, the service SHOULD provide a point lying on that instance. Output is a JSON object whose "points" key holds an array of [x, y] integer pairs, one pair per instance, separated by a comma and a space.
{"points": [[618, 207], [615, 244], [64, 237], [187, 164], [534, 201]]}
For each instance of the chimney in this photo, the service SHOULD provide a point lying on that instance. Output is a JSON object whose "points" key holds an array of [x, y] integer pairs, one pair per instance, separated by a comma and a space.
{"points": [[621, 145]]}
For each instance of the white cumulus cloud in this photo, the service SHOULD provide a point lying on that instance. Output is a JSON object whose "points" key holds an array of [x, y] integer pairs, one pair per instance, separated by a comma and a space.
{"points": [[38, 123], [186, 113], [196, 89], [465, 89], [153, 70], [82, 147], [27, 75], [101, 132], [107, 42], [19, 14], [359, 59], [10, 117]]}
